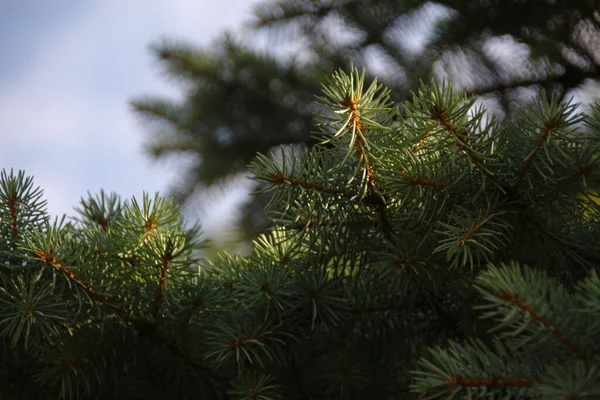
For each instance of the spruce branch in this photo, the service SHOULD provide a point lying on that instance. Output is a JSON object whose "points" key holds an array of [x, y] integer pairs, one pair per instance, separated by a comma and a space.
{"points": [[462, 139], [550, 120], [366, 111], [23, 204], [548, 325], [30, 310], [102, 209], [384, 271], [527, 290], [439, 116], [464, 371]]}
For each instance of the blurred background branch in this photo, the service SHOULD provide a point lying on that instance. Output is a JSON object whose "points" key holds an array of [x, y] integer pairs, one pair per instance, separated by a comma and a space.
{"points": [[250, 94]]}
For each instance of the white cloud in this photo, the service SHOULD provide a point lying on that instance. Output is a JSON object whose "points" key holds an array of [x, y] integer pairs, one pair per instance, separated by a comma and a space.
{"points": [[66, 119]]}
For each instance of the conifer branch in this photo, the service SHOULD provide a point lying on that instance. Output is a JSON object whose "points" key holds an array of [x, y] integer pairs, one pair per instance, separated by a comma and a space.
{"points": [[459, 381], [412, 260], [580, 172], [549, 326], [418, 181], [361, 309], [305, 224], [548, 127], [149, 226], [12, 209], [196, 304], [376, 309], [461, 139], [280, 179], [162, 282], [244, 341], [50, 259], [67, 365], [466, 238], [422, 140], [178, 352], [361, 145]]}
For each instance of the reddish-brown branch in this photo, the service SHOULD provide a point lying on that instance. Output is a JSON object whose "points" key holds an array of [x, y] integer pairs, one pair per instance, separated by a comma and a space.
{"points": [[358, 310], [439, 115], [196, 304], [13, 208], [279, 179], [162, 282], [50, 259], [65, 366], [149, 227], [538, 146], [404, 261], [28, 309], [463, 240], [180, 353], [417, 181], [304, 224], [242, 342], [367, 163], [548, 325], [581, 172], [284, 260], [150, 334], [231, 284], [361, 143], [266, 289], [494, 382], [103, 223]]}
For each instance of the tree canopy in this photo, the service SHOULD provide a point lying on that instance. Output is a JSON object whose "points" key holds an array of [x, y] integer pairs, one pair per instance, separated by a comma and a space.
{"points": [[423, 251]]}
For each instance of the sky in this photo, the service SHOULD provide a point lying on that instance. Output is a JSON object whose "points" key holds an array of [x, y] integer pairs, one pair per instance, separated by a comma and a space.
{"points": [[68, 70]]}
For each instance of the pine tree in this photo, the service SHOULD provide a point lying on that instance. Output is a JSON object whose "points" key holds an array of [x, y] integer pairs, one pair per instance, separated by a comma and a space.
{"points": [[239, 101], [430, 251]]}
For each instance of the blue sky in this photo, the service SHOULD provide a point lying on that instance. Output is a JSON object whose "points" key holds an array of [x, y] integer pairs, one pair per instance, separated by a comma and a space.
{"points": [[69, 68]]}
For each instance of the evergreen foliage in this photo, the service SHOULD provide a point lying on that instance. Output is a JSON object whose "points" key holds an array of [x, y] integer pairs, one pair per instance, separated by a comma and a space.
{"points": [[428, 252], [238, 101]]}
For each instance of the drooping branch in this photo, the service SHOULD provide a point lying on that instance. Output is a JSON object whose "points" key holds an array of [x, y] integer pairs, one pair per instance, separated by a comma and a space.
{"points": [[418, 181], [405, 261], [196, 304], [462, 137], [67, 365], [455, 383], [280, 179], [50, 259], [13, 208], [548, 127], [545, 322], [162, 282], [463, 240], [244, 341], [305, 224]]}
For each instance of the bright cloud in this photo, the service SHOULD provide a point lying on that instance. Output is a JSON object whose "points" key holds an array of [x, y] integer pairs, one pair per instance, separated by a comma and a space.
{"points": [[65, 118]]}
